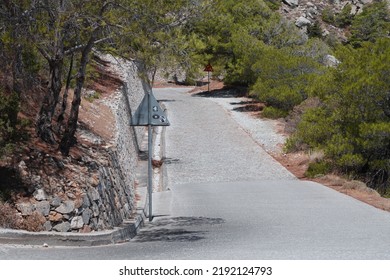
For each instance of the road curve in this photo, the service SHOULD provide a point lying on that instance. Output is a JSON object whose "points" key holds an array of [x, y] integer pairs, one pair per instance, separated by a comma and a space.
{"points": [[228, 199]]}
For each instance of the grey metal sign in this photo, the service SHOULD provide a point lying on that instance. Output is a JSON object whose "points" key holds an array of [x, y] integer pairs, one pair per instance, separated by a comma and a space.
{"points": [[157, 117], [149, 113]]}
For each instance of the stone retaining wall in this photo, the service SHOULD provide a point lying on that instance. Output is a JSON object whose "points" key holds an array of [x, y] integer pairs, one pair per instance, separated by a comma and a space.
{"points": [[94, 190]]}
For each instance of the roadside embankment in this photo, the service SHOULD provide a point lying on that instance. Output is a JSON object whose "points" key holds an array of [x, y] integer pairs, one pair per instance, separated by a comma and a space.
{"points": [[94, 189]]}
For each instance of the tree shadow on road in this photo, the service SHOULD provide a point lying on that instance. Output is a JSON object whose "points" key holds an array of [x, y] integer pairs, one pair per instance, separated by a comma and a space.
{"points": [[225, 92], [176, 229]]}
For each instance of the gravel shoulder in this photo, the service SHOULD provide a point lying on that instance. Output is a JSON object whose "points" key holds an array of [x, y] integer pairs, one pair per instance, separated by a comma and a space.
{"points": [[265, 132]]}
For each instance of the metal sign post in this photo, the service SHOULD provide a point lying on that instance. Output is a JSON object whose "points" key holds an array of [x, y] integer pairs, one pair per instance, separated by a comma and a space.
{"points": [[208, 83], [150, 154], [208, 69], [149, 113]]}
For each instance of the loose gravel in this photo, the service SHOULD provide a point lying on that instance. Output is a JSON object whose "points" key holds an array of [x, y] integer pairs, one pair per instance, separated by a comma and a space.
{"points": [[263, 131]]}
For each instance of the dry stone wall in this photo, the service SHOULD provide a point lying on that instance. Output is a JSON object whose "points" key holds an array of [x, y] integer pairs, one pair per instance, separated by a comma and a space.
{"points": [[94, 190]]}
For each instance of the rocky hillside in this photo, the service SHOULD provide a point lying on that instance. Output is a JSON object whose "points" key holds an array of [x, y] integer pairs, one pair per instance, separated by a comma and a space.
{"points": [[306, 12]]}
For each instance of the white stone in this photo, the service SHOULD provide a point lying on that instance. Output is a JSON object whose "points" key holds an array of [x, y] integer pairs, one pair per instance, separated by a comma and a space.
{"points": [[40, 195], [292, 3], [77, 222], [332, 61], [302, 22]]}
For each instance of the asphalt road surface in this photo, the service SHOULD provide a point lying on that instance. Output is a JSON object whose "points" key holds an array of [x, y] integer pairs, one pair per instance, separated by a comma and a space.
{"points": [[228, 199]]}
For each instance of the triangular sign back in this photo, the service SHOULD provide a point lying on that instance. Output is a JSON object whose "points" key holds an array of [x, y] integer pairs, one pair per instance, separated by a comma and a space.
{"points": [[141, 116]]}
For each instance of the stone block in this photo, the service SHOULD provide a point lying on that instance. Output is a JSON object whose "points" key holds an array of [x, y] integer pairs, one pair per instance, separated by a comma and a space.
{"points": [[77, 222], [66, 207], [43, 207], [62, 227], [26, 208]]}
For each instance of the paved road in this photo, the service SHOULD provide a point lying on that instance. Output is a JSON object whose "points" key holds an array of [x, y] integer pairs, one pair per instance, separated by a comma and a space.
{"points": [[228, 199]]}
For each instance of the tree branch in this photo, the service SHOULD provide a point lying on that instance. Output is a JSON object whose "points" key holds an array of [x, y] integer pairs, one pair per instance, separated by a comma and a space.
{"points": [[80, 47]]}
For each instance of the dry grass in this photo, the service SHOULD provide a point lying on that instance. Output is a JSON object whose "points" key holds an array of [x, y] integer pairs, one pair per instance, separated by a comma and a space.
{"points": [[33, 222], [10, 218], [316, 156]]}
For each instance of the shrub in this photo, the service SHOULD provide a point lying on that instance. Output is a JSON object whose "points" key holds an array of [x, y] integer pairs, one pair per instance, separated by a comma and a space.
{"points": [[9, 217], [273, 113], [370, 25], [316, 169], [315, 31], [281, 97], [328, 16], [344, 18], [352, 125], [33, 222], [273, 4]]}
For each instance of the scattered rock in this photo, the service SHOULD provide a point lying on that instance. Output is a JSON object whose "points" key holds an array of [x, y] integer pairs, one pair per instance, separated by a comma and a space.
{"points": [[70, 195], [93, 166], [95, 209], [87, 214], [78, 203], [86, 202], [40, 195], [23, 169], [291, 3], [86, 229], [55, 202], [77, 222], [331, 61], [66, 207], [62, 227], [55, 216], [47, 226], [36, 179], [43, 207], [93, 194], [26, 208], [302, 22]]}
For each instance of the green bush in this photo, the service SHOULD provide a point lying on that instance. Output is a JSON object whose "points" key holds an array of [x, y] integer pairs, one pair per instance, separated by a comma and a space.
{"points": [[344, 18], [281, 97], [273, 4], [273, 113], [373, 23], [316, 169], [313, 130], [352, 126], [328, 16], [314, 30]]}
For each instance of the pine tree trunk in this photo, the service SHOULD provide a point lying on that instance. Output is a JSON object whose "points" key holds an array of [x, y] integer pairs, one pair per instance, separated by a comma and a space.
{"points": [[43, 125], [61, 116], [68, 139]]}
